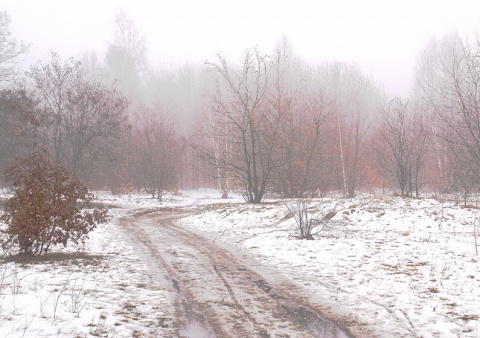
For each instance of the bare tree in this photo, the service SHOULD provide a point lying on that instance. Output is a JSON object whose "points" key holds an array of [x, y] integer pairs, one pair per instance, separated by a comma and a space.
{"points": [[302, 137], [126, 57], [128, 37], [241, 99], [404, 144], [221, 148], [302, 108], [10, 49], [356, 100], [449, 89], [156, 154], [82, 118], [433, 95], [19, 134]]}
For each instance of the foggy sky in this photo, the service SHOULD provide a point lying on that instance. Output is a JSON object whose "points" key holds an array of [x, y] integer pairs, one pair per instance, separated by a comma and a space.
{"points": [[383, 37]]}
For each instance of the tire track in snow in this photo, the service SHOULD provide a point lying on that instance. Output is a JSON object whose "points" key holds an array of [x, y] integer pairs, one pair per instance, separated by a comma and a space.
{"points": [[217, 294]]}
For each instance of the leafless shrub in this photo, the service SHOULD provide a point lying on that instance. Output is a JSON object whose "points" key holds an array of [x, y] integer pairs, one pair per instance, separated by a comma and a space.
{"points": [[77, 296], [100, 328], [25, 325], [2, 277], [43, 303], [476, 222], [56, 297], [312, 218], [15, 281]]}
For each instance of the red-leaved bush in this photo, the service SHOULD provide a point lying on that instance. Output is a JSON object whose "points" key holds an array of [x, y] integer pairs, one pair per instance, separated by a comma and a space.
{"points": [[45, 208]]}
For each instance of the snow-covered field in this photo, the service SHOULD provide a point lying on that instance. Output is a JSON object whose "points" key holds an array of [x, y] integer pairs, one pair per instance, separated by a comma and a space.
{"points": [[102, 289], [401, 267], [404, 267]]}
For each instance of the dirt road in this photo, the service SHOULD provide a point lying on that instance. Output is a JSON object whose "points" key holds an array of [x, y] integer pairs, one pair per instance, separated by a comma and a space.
{"points": [[219, 292]]}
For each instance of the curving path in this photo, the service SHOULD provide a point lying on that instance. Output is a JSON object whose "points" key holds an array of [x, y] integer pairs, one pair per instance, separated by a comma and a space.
{"points": [[219, 292]]}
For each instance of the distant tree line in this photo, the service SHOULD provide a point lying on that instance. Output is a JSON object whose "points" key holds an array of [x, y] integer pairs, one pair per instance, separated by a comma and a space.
{"points": [[272, 123], [87, 119]]}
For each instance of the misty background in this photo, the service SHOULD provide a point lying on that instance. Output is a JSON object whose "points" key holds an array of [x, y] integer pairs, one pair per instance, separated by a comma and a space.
{"points": [[382, 37], [263, 97]]}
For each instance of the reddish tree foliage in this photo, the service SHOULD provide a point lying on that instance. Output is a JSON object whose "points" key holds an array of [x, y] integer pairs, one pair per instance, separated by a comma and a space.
{"points": [[44, 210], [156, 154]]}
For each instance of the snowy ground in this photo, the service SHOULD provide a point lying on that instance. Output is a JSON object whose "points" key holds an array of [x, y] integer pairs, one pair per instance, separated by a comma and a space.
{"points": [[103, 289], [402, 267]]}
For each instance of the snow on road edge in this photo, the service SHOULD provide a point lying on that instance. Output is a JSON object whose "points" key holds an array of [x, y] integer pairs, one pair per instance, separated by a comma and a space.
{"points": [[403, 267]]}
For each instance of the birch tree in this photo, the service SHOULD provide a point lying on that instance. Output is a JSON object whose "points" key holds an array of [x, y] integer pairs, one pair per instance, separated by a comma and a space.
{"points": [[355, 101]]}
